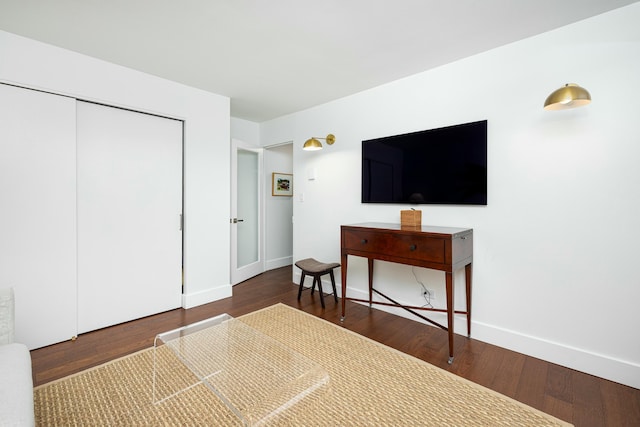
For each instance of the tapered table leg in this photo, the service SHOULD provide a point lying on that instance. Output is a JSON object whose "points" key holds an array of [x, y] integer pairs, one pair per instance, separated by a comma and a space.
{"points": [[343, 285], [450, 309]]}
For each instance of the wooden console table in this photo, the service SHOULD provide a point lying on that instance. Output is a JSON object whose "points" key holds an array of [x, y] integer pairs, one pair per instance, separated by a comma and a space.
{"points": [[439, 248]]}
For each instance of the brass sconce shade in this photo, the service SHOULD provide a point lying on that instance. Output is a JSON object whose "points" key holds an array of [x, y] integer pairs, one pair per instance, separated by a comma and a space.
{"points": [[569, 96], [312, 144]]}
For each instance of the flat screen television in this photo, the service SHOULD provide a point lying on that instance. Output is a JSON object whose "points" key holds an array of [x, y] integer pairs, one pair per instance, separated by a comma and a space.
{"points": [[444, 166]]}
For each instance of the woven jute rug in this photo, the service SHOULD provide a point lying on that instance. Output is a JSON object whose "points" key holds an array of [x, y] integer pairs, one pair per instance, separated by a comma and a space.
{"points": [[370, 385]]}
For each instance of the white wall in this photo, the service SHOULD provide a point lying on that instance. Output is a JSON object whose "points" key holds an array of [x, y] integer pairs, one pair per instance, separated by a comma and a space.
{"points": [[206, 146], [245, 130], [556, 247]]}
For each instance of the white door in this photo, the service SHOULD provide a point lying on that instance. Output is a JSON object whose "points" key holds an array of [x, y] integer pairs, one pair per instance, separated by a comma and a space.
{"points": [[246, 212], [129, 206], [38, 213]]}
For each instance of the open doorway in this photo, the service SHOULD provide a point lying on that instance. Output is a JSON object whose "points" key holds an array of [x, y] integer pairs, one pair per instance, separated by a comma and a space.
{"points": [[278, 209]]}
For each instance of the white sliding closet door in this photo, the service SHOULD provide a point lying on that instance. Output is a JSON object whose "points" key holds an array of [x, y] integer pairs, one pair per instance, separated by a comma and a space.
{"points": [[129, 205], [38, 213]]}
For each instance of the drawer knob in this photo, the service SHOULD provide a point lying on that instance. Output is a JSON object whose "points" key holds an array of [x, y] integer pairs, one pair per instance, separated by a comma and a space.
{"points": [[363, 241], [413, 247]]}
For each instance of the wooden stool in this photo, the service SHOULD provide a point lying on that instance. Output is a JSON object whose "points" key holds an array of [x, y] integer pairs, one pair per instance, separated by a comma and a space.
{"points": [[311, 267]]}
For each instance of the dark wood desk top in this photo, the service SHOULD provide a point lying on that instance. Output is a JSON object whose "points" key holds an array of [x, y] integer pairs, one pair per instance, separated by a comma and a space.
{"points": [[432, 229]]}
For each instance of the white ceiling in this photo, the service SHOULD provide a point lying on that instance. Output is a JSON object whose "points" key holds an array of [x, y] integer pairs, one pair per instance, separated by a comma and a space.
{"points": [[276, 57]]}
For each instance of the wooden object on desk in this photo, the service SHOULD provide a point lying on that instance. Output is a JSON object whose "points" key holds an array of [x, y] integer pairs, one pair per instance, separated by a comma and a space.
{"points": [[411, 218], [440, 248]]}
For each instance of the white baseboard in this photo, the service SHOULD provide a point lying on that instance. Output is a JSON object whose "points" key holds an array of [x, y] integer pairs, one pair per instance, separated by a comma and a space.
{"points": [[603, 366], [207, 296], [600, 365], [277, 263]]}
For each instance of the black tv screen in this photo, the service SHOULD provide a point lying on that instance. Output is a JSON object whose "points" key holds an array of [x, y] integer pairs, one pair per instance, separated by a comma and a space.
{"points": [[444, 166]]}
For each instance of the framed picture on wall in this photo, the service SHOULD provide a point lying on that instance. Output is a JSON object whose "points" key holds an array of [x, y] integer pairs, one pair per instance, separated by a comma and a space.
{"points": [[281, 184]]}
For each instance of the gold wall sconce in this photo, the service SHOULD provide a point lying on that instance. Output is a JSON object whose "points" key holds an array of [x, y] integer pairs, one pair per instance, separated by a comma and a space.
{"points": [[312, 144], [569, 96]]}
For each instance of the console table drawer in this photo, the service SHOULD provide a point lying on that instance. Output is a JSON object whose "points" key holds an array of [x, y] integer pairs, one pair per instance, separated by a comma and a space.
{"points": [[410, 246]]}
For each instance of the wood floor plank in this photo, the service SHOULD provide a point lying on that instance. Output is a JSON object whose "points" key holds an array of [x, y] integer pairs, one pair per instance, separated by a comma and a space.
{"points": [[559, 384], [588, 407], [532, 382], [558, 407], [621, 405], [508, 372], [569, 395]]}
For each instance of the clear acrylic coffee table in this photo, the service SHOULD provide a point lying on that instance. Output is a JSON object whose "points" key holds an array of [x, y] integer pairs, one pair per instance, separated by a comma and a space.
{"points": [[255, 376]]}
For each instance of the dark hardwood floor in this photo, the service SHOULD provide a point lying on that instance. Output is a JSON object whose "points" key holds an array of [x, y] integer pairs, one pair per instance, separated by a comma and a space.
{"points": [[579, 398]]}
